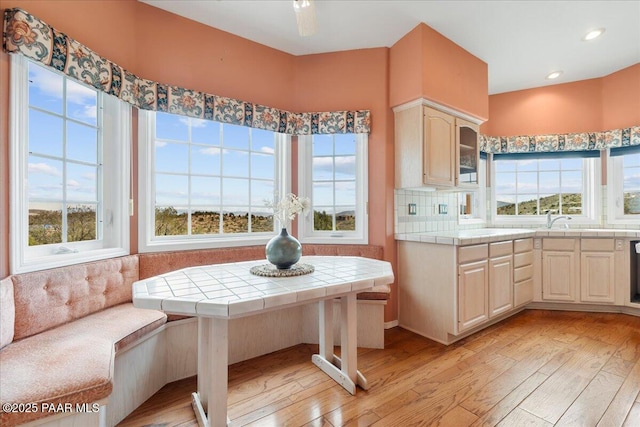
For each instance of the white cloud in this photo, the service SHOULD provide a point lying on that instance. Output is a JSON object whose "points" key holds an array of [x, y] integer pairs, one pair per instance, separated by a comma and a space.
{"points": [[195, 123], [51, 84], [73, 183], [212, 151], [160, 144], [344, 165], [43, 168], [89, 176], [267, 150]]}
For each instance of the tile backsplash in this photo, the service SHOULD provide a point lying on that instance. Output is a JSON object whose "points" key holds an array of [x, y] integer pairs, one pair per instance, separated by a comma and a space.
{"points": [[427, 217]]}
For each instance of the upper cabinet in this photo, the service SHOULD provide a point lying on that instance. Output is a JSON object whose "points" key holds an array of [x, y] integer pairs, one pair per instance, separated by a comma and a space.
{"points": [[468, 153], [434, 148]]}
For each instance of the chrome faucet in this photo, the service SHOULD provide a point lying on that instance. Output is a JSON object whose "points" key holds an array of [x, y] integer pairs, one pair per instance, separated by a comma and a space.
{"points": [[551, 221]]}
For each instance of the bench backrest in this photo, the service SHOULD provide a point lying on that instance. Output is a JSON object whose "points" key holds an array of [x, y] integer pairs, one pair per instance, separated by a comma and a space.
{"points": [[48, 298], [152, 264]]}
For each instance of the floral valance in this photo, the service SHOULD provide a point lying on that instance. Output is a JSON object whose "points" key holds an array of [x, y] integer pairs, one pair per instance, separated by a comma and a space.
{"points": [[27, 35], [561, 142]]}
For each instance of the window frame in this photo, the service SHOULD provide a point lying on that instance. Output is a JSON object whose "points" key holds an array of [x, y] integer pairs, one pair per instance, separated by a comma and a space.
{"points": [[306, 234], [148, 241], [591, 184], [113, 191], [615, 188]]}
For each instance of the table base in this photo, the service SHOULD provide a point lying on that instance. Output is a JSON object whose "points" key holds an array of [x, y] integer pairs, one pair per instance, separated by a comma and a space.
{"points": [[210, 402]]}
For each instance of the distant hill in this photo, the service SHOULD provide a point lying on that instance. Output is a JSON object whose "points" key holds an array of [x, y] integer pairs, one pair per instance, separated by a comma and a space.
{"points": [[571, 205]]}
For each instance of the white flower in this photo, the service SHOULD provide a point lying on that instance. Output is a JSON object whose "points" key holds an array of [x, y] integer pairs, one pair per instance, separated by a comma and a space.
{"points": [[286, 209]]}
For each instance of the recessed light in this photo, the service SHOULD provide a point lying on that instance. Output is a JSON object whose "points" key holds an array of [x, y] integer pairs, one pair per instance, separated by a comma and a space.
{"points": [[593, 34], [554, 75]]}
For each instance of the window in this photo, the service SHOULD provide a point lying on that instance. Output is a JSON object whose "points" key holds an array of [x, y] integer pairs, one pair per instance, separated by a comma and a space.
{"points": [[526, 188], [624, 185], [206, 183], [333, 175], [70, 145]]}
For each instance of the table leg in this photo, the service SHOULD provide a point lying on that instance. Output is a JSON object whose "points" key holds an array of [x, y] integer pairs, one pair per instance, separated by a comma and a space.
{"points": [[210, 402], [348, 338], [325, 324], [342, 369]]}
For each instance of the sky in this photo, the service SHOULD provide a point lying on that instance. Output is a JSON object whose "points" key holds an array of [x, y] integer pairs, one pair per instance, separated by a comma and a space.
{"points": [[213, 160], [46, 129], [221, 157]]}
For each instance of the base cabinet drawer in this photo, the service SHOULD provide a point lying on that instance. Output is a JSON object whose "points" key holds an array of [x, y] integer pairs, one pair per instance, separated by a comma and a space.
{"points": [[523, 273], [523, 292]]}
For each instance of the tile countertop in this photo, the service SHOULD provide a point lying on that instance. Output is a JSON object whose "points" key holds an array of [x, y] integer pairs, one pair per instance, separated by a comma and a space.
{"points": [[487, 235]]}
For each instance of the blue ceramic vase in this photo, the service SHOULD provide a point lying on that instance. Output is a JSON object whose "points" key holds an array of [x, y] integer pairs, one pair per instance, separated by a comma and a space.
{"points": [[283, 250]]}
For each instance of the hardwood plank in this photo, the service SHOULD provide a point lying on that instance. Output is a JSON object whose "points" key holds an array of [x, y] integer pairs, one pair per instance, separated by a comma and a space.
{"points": [[633, 419], [624, 399], [557, 393], [458, 416], [533, 357], [589, 407], [363, 412], [521, 418], [564, 362], [446, 390], [511, 401]]}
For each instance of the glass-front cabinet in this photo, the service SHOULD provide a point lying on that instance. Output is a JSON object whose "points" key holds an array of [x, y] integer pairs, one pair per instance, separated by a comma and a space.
{"points": [[467, 153]]}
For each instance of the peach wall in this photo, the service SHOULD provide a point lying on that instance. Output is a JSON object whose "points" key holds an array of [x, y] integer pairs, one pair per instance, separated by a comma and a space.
{"points": [[621, 98], [156, 45], [88, 22], [405, 68], [563, 108], [218, 62], [426, 64], [452, 76], [358, 79]]}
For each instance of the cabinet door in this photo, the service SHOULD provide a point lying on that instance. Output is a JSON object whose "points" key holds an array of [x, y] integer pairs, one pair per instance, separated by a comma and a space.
{"points": [[558, 276], [597, 277], [500, 285], [473, 293], [439, 148], [467, 153]]}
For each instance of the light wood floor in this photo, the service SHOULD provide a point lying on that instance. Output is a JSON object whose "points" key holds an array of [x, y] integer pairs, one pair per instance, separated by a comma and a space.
{"points": [[538, 368]]}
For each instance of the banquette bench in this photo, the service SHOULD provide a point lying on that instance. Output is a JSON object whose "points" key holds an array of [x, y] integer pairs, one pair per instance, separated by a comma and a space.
{"points": [[75, 352]]}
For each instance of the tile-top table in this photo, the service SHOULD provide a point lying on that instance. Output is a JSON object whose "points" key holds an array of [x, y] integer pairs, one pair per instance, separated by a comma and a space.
{"points": [[217, 293]]}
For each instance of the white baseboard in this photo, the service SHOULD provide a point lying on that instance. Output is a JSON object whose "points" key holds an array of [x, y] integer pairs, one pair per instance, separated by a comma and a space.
{"points": [[392, 324]]}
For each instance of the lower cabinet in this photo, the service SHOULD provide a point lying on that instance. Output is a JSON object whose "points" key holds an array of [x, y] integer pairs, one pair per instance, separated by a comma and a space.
{"points": [[597, 277], [500, 285], [558, 276], [473, 295], [578, 270], [597, 270]]}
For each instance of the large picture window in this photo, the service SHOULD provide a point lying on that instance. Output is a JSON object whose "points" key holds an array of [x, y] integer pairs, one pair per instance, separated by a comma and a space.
{"points": [[529, 187], [69, 143], [207, 181], [333, 175]]}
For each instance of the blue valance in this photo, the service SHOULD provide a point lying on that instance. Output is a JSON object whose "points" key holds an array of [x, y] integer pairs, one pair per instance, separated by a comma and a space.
{"points": [[29, 36]]}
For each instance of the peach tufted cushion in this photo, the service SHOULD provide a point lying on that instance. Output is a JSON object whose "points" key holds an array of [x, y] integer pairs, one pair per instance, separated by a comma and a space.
{"points": [[71, 363], [48, 298], [7, 312]]}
